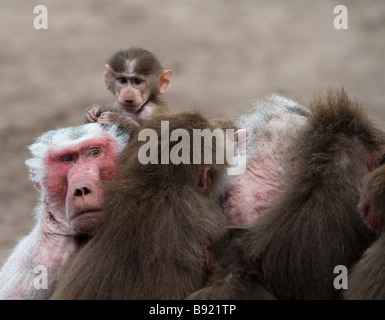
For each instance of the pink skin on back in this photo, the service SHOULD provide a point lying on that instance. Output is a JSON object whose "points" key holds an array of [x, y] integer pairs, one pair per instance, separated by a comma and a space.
{"points": [[251, 193]]}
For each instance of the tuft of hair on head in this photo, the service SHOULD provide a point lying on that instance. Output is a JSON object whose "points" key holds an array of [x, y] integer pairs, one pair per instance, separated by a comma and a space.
{"points": [[146, 62], [336, 113]]}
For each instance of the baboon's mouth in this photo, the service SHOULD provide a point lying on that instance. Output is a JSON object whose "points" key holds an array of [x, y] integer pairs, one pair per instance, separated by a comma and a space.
{"points": [[86, 221], [131, 108], [83, 212]]}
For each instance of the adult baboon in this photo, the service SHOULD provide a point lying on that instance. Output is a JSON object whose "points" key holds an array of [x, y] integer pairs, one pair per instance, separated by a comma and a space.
{"points": [[67, 166], [162, 213], [314, 224]]}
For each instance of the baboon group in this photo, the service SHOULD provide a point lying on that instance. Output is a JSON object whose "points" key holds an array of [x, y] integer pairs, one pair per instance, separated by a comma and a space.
{"points": [[112, 226]]}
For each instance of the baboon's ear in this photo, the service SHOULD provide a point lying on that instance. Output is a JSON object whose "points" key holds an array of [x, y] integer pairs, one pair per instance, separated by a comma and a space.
{"points": [[106, 76], [164, 81]]}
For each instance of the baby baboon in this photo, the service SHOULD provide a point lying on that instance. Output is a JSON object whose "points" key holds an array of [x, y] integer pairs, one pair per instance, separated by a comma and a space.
{"points": [[136, 78]]}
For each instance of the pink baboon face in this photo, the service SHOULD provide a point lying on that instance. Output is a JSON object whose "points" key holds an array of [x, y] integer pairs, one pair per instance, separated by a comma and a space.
{"points": [[73, 189]]}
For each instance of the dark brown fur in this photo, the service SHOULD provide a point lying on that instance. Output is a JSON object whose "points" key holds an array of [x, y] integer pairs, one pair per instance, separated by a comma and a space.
{"points": [[230, 279], [147, 62], [367, 278], [152, 243], [314, 224]]}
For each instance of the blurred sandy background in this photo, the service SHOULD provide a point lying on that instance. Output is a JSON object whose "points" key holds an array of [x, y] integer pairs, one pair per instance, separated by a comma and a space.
{"points": [[224, 54]]}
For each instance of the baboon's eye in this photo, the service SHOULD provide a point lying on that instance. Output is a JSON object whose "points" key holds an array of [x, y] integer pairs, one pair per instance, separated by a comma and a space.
{"points": [[122, 80], [137, 81], [68, 159], [94, 152]]}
